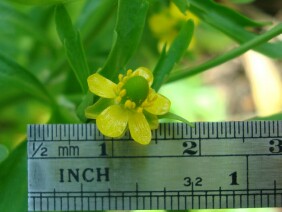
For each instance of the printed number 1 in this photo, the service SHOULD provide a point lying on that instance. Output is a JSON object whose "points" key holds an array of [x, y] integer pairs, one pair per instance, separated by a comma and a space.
{"points": [[233, 178], [103, 149]]}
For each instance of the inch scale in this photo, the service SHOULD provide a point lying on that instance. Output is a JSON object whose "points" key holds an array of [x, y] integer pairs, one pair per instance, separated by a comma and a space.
{"points": [[72, 167]]}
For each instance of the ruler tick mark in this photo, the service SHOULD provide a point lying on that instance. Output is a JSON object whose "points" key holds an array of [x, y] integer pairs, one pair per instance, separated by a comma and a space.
{"points": [[144, 167], [247, 180], [220, 197], [164, 192], [61, 203], [274, 184]]}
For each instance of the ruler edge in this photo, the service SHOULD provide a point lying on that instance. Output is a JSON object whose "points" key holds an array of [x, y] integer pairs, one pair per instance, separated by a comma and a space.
{"points": [[171, 125], [197, 124]]}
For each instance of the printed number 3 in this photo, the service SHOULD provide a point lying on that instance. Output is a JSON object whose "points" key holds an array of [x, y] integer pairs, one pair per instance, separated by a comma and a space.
{"points": [[276, 146], [188, 181]]}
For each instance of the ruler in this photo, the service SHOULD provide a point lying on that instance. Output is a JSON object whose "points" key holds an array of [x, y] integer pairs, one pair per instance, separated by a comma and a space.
{"points": [[72, 167]]}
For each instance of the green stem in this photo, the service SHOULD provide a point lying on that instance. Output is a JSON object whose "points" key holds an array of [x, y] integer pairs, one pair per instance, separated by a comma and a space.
{"points": [[277, 30]]}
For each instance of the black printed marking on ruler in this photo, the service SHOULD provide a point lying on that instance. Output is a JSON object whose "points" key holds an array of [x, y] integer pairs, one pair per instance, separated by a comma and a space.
{"points": [[206, 146]]}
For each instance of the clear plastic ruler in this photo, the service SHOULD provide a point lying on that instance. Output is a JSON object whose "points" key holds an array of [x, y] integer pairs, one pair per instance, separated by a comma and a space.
{"points": [[72, 167]]}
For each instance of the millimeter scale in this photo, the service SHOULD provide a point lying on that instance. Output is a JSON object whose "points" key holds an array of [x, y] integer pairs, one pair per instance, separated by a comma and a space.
{"points": [[72, 167]]}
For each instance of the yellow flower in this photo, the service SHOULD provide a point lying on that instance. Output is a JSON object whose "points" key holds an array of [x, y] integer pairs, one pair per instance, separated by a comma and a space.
{"points": [[130, 104], [166, 24]]}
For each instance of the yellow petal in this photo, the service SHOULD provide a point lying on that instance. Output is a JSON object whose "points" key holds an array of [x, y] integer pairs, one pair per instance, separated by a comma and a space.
{"points": [[101, 86], [160, 105], [162, 23], [176, 13], [139, 128], [112, 121], [93, 111], [146, 73]]}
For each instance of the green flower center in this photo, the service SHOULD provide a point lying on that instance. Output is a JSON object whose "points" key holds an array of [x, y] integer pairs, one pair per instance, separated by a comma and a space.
{"points": [[137, 89]]}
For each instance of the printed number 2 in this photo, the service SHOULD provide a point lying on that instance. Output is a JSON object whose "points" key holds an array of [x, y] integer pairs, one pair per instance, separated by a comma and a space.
{"points": [[188, 181], [189, 146], [43, 152]]}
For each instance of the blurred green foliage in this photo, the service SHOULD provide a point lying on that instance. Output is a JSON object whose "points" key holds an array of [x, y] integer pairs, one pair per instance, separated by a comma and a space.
{"points": [[48, 48]]}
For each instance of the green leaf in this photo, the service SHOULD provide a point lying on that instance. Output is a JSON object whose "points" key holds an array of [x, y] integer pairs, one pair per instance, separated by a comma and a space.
{"points": [[175, 52], [97, 108], [63, 115], [277, 116], [4, 152], [13, 76], [39, 2], [13, 181], [232, 24], [181, 4], [128, 31], [86, 101], [277, 30], [242, 1], [93, 17], [177, 118], [72, 43], [14, 20], [220, 16]]}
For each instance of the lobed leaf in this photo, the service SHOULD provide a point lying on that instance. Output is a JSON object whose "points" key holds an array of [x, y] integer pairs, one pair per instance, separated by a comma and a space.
{"points": [[13, 181], [176, 117], [4, 152], [232, 24], [181, 4], [218, 14], [175, 52], [86, 101], [13, 76], [128, 31], [242, 1], [277, 30], [93, 16], [16, 25], [40, 2], [70, 38], [277, 116]]}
